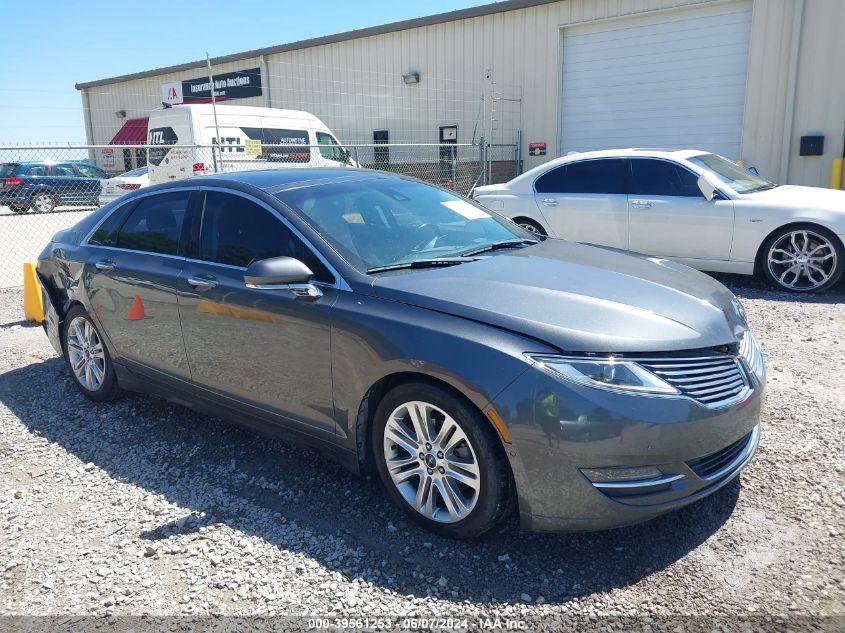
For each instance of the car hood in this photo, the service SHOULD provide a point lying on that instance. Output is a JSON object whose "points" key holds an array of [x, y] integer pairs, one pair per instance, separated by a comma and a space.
{"points": [[578, 298], [802, 197]]}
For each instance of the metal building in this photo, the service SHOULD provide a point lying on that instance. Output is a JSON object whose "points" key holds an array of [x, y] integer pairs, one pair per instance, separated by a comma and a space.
{"points": [[757, 80]]}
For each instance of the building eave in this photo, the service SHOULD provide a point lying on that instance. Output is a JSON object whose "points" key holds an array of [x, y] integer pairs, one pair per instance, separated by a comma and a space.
{"points": [[403, 25]]}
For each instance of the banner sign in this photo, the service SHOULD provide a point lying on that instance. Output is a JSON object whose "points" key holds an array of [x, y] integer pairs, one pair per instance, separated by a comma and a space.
{"points": [[239, 84]]}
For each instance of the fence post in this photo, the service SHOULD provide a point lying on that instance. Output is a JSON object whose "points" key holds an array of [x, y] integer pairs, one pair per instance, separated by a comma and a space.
{"points": [[482, 159], [357, 162]]}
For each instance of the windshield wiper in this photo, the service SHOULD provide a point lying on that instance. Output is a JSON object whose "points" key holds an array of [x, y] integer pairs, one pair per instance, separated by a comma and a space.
{"points": [[497, 245], [421, 263], [765, 187]]}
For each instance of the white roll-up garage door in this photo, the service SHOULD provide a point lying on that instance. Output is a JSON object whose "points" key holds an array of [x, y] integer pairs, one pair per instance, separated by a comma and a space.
{"points": [[670, 80]]}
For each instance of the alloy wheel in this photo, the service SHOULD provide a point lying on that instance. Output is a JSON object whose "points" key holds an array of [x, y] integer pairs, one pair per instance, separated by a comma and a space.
{"points": [[86, 354], [530, 228], [431, 462], [43, 203], [802, 260]]}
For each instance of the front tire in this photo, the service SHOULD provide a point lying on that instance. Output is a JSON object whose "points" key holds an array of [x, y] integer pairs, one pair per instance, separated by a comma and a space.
{"points": [[87, 356], [440, 461], [531, 226], [803, 258]]}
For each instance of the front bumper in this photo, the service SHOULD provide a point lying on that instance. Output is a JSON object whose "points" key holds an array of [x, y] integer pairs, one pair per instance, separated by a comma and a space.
{"points": [[559, 428]]}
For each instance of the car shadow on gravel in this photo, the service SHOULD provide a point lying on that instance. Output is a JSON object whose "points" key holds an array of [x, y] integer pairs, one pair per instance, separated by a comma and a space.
{"points": [[745, 286], [299, 501]]}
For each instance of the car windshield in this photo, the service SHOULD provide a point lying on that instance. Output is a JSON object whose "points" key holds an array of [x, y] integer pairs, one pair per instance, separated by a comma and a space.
{"points": [[7, 169], [737, 178], [382, 222]]}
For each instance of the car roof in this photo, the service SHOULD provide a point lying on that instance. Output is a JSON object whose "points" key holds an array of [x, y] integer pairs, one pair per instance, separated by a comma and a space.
{"points": [[629, 152], [276, 180]]}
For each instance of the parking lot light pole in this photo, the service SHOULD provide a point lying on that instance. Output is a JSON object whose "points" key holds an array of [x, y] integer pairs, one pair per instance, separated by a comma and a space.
{"points": [[214, 110]]}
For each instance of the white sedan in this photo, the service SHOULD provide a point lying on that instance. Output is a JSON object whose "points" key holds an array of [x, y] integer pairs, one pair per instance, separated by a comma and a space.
{"points": [[691, 206], [116, 186]]}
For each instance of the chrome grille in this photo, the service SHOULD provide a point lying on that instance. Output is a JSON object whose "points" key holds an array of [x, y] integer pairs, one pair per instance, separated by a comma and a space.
{"points": [[712, 380], [712, 466]]}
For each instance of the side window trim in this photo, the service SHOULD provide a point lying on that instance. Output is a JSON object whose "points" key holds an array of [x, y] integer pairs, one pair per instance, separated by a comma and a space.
{"points": [[339, 283]]}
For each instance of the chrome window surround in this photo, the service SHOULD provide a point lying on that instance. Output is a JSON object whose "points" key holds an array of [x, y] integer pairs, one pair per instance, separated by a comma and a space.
{"points": [[340, 282]]}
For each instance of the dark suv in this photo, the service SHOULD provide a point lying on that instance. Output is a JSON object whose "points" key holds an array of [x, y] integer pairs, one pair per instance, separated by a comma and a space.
{"points": [[44, 185]]}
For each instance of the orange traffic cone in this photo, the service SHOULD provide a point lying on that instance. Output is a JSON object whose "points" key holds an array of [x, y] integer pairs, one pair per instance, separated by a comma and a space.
{"points": [[136, 312]]}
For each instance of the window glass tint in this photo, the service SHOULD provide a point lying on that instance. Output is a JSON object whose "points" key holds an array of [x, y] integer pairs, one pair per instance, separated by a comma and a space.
{"points": [[237, 232], [106, 233], [552, 181], [155, 224], [662, 178], [65, 171], [34, 170], [329, 148], [606, 176], [88, 171]]}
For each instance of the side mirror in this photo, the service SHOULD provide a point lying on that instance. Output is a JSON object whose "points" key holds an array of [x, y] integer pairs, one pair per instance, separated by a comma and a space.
{"points": [[277, 271], [708, 190]]}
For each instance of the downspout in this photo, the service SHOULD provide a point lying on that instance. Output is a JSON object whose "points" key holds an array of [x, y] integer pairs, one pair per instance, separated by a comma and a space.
{"points": [[89, 128], [791, 87], [265, 80]]}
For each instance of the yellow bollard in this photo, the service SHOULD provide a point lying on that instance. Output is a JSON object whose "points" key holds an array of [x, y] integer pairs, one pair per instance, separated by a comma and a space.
{"points": [[837, 174], [33, 304]]}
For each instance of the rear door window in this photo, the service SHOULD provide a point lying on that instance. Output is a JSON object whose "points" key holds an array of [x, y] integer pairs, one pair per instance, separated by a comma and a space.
{"points": [[34, 170], [662, 178], [602, 176], [106, 233], [64, 171], [155, 225]]}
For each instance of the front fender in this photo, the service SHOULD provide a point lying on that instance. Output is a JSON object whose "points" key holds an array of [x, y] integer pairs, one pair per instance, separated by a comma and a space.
{"points": [[373, 338]]}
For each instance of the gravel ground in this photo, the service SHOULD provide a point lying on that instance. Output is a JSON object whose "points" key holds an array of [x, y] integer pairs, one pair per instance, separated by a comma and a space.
{"points": [[142, 507]]}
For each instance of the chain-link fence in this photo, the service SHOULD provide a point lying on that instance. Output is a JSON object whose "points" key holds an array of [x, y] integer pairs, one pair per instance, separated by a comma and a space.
{"points": [[44, 189]]}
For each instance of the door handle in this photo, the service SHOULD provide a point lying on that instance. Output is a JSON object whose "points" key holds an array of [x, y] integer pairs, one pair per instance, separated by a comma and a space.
{"points": [[641, 204], [550, 202], [105, 266], [201, 283]]}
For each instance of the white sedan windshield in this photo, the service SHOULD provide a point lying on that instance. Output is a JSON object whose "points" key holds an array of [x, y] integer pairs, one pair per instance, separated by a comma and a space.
{"points": [[737, 178]]}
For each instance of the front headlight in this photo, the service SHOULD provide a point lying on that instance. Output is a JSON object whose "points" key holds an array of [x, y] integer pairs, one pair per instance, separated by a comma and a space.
{"points": [[606, 373]]}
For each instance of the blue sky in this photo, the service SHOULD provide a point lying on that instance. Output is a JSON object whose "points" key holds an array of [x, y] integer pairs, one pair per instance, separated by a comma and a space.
{"points": [[57, 44]]}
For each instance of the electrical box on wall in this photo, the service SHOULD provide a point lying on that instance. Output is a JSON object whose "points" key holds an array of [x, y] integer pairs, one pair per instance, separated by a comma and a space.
{"points": [[812, 145]]}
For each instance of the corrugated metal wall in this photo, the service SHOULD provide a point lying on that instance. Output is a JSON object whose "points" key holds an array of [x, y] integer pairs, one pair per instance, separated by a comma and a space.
{"points": [[356, 85]]}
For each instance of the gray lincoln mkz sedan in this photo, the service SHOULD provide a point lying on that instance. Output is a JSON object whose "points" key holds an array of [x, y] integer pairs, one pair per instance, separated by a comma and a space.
{"points": [[475, 366]]}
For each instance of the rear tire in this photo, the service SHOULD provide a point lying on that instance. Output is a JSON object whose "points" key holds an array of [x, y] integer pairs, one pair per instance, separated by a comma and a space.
{"points": [[88, 358], [531, 226], [440, 461], [43, 202]]}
